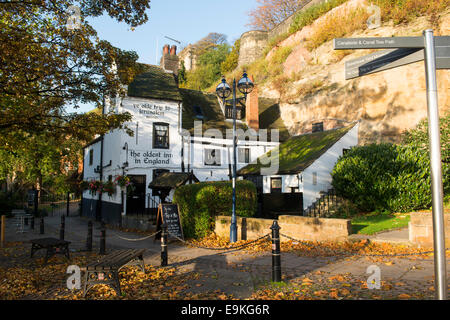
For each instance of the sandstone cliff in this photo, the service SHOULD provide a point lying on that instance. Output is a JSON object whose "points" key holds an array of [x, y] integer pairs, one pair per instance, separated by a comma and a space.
{"points": [[386, 103]]}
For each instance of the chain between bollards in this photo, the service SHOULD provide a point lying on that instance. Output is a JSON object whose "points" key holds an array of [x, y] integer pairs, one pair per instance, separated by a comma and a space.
{"points": [[103, 239], [62, 227], [276, 252], [89, 237], [164, 251]]}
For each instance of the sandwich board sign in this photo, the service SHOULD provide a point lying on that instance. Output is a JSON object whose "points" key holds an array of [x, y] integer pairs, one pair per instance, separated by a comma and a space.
{"points": [[435, 51], [169, 213]]}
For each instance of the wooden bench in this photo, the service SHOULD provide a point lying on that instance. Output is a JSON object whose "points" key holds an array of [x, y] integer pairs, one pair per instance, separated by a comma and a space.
{"points": [[52, 245], [106, 270]]}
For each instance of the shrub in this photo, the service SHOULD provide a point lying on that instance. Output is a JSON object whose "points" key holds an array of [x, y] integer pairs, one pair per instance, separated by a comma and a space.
{"points": [[200, 203], [386, 177]]}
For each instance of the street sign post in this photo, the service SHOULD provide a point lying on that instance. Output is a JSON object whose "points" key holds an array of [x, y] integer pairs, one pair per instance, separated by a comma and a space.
{"points": [[405, 50]]}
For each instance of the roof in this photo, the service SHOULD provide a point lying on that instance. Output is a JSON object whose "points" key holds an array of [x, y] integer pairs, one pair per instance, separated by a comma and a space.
{"points": [[170, 180], [213, 117], [299, 152], [155, 83]]}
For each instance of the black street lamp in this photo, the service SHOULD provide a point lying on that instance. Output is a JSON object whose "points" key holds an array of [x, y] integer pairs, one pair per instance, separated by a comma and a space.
{"points": [[223, 91]]}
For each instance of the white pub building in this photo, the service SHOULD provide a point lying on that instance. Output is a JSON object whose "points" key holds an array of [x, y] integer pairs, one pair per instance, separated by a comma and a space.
{"points": [[180, 136], [184, 136]]}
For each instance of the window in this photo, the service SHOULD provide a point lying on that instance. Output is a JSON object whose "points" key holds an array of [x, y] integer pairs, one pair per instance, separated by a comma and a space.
{"points": [[158, 172], [91, 157], [160, 136], [275, 185], [244, 155], [314, 178], [317, 127], [198, 112], [212, 157]]}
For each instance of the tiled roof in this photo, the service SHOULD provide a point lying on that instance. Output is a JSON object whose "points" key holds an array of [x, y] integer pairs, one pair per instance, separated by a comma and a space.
{"points": [[154, 83], [170, 180], [299, 152]]}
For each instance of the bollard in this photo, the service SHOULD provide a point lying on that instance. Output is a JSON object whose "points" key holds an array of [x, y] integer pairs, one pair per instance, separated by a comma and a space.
{"points": [[41, 226], [164, 253], [102, 238], [276, 257], [89, 237], [2, 237], [62, 227]]}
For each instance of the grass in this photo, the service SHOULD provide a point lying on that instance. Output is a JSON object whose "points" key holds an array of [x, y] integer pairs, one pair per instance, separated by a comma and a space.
{"points": [[376, 222]]}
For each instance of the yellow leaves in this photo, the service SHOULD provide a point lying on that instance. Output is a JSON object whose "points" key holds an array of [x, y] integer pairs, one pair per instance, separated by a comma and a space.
{"points": [[404, 296]]}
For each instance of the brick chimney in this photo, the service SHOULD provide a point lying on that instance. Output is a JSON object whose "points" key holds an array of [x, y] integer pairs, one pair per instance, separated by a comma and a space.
{"points": [[169, 59], [252, 108]]}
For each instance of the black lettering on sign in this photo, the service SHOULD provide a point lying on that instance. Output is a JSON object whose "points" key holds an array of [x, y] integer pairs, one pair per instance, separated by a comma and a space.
{"points": [[169, 213]]}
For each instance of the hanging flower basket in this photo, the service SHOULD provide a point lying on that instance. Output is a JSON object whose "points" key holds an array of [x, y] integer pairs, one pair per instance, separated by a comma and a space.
{"points": [[95, 186], [109, 187], [123, 181]]}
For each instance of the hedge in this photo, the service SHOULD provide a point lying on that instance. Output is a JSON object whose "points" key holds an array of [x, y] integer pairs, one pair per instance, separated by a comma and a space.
{"points": [[387, 177], [200, 203]]}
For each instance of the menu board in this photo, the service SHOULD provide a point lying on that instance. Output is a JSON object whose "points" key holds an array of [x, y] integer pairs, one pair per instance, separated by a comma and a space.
{"points": [[169, 214]]}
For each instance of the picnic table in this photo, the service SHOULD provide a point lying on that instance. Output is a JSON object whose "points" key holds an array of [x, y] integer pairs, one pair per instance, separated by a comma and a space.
{"points": [[106, 270], [52, 245]]}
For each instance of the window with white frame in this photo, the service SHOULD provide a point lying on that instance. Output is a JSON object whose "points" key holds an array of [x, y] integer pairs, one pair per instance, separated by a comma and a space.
{"points": [[212, 157]]}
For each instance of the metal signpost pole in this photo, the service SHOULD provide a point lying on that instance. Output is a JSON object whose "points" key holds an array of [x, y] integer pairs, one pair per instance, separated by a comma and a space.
{"points": [[436, 168], [233, 226]]}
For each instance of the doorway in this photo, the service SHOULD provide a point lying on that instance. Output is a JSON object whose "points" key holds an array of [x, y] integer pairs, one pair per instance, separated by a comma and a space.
{"points": [[136, 197]]}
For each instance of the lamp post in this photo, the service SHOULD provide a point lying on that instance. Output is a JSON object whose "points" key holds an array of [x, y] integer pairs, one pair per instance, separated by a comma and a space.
{"points": [[223, 91]]}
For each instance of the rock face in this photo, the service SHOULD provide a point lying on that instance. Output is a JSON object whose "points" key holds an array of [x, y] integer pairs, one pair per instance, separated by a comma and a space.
{"points": [[252, 45], [385, 103]]}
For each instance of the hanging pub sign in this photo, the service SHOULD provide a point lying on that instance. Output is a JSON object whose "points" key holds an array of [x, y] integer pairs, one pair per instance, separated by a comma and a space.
{"points": [[169, 213]]}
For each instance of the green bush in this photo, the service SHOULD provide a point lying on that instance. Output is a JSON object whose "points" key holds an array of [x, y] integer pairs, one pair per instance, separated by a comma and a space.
{"points": [[200, 203], [386, 177]]}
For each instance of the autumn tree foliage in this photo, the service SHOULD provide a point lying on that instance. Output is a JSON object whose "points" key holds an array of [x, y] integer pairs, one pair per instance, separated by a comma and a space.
{"points": [[269, 13], [46, 66]]}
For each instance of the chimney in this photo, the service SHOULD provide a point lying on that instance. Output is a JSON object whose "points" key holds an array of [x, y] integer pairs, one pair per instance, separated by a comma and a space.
{"points": [[173, 50], [252, 108], [169, 59]]}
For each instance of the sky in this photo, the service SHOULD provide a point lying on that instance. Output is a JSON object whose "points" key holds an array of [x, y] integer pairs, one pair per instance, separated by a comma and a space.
{"points": [[184, 20]]}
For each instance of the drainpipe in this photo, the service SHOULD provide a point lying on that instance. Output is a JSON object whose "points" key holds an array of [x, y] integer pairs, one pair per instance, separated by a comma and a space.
{"points": [[99, 204]]}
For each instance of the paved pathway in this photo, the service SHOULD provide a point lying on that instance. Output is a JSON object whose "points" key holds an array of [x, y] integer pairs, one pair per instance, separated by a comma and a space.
{"points": [[220, 268]]}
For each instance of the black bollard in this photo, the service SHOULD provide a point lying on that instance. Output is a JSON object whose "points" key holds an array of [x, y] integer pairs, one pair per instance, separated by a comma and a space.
{"points": [[103, 239], [41, 226], [276, 257], [164, 252], [89, 237], [62, 227]]}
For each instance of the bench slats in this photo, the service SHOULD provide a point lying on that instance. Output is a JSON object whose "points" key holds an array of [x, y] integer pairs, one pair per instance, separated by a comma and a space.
{"points": [[115, 260]]}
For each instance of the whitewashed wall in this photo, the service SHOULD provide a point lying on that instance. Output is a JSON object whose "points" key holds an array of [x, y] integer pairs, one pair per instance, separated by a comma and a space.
{"points": [[324, 166]]}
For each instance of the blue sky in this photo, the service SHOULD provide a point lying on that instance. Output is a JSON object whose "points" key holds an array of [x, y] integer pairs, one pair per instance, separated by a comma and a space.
{"points": [[183, 20]]}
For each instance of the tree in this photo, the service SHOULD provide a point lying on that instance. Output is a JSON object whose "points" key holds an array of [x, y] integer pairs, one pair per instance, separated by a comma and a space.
{"points": [[232, 59], [211, 41], [45, 66], [270, 13], [208, 70]]}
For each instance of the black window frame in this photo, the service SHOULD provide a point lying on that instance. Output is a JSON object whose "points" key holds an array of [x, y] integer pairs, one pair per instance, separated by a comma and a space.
{"points": [[215, 164], [91, 157], [166, 143], [246, 155]]}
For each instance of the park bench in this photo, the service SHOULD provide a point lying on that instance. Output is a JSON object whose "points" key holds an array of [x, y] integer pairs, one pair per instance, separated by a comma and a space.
{"points": [[52, 245], [106, 270]]}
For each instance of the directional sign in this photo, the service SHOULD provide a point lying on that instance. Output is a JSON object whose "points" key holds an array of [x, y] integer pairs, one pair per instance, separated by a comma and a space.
{"points": [[378, 43], [392, 58], [380, 61], [386, 43]]}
